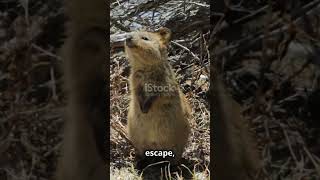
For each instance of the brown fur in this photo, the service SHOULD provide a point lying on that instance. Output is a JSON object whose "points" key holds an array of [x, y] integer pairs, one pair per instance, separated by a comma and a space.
{"points": [[234, 153], [83, 152], [156, 120]]}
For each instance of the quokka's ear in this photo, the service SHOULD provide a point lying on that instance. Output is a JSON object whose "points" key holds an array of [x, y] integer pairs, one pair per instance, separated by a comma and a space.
{"points": [[165, 35]]}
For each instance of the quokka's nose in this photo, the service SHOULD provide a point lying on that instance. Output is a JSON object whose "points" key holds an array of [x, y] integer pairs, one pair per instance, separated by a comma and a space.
{"points": [[130, 42]]}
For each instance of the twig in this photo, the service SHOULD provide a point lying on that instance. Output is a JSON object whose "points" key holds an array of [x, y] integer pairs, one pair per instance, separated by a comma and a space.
{"points": [[289, 144], [48, 53], [312, 160], [117, 126], [53, 85], [296, 73], [187, 49]]}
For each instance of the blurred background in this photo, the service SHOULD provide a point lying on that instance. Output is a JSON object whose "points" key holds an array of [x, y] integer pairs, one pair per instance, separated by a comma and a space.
{"points": [[268, 51], [31, 97]]}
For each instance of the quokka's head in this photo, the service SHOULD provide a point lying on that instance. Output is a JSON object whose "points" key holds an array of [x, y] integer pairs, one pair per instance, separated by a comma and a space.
{"points": [[148, 47]]}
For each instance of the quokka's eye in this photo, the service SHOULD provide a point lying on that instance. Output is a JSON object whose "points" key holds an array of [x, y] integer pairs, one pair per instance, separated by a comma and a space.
{"points": [[145, 38]]}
